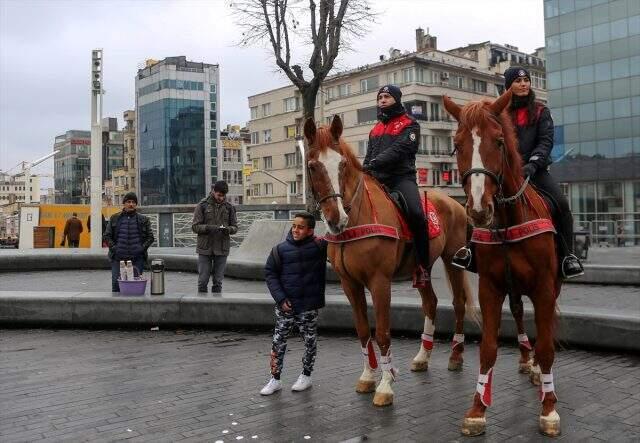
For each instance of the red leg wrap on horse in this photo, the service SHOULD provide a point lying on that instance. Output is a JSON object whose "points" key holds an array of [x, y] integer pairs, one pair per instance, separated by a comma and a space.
{"points": [[427, 341], [483, 388], [371, 354]]}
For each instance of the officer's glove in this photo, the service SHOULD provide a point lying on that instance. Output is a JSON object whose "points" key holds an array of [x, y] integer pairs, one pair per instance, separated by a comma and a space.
{"points": [[529, 170]]}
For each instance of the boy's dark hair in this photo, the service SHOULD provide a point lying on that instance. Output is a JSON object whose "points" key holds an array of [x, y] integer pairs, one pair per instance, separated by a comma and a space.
{"points": [[311, 221]]}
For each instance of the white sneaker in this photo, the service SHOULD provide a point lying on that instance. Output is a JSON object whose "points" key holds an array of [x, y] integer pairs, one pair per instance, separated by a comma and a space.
{"points": [[271, 387], [303, 383]]}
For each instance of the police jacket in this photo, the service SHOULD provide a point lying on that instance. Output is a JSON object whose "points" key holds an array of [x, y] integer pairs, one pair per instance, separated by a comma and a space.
{"points": [[208, 216], [392, 148], [535, 141], [298, 273], [143, 235]]}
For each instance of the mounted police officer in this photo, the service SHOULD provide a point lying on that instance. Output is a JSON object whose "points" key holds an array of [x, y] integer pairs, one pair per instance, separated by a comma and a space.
{"points": [[534, 128], [391, 159]]}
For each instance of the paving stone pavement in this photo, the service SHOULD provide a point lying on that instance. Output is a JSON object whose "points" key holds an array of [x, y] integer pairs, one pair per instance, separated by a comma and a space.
{"points": [[193, 385]]}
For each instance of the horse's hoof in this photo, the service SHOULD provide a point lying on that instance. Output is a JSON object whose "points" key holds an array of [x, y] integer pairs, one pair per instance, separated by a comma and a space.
{"points": [[473, 426], [534, 377], [419, 366], [524, 368], [455, 365], [550, 425], [365, 386], [382, 399]]}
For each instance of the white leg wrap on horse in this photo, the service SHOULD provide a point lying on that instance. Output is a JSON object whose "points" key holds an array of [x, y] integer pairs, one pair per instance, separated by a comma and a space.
{"points": [[483, 388], [427, 334], [523, 341], [387, 365], [546, 384], [458, 339]]}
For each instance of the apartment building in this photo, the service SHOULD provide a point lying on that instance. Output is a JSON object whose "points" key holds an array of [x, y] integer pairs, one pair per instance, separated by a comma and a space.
{"points": [[424, 76]]}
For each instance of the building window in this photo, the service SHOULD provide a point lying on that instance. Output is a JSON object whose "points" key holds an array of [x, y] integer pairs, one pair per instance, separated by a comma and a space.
{"points": [[231, 155], [213, 88], [293, 188], [291, 131], [292, 159], [256, 190], [268, 189], [422, 149], [254, 112], [368, 84], [331, 92], [267, 162], [363, 145], [266, 109], [232, 177], [254, 138], [393, 77], [479, 86], [367, 115], [407, 75], [266, 135], [344, 90], [290, 104]]}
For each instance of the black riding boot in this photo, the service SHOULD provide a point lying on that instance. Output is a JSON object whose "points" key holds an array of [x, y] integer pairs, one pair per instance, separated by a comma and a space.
{"points": [[570, 266]]}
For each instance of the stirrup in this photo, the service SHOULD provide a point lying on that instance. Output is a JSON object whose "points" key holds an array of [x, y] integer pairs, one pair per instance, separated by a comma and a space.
{"points": [[577, 274], [462, 258]]}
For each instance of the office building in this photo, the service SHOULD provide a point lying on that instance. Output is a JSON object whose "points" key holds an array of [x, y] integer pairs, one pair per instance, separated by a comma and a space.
{"points": [[593, 80], [177, 130]]}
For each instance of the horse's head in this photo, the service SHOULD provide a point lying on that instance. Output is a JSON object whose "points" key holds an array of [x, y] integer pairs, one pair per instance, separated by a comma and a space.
{"points": [[326, 164], [480, 152]]}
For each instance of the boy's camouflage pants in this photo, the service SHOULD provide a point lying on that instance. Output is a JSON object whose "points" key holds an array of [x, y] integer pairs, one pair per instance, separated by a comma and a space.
{"points": [[307, 324]]}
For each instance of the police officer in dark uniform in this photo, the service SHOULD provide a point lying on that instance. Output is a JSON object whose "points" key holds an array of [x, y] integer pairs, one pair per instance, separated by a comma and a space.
{"points": [[534, 127], [391, 159]]}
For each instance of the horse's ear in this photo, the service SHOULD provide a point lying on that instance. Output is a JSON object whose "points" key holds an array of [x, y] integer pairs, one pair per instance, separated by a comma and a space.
{"points": [[501, 103], [451, 107], [310, 129], [336, 127]]}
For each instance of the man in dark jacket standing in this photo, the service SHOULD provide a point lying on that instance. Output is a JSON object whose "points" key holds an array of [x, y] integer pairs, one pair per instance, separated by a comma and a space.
{"points": [[295, 275], [391, 159], [72, 231], [214, 220], [128, 236]]}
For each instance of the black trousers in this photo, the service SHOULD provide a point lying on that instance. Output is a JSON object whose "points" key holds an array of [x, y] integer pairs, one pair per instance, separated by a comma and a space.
{"points": [[563, 218], [415, 217]]}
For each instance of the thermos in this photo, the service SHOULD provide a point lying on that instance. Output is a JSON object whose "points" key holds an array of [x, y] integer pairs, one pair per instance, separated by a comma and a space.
{"points": [[157, 276]]}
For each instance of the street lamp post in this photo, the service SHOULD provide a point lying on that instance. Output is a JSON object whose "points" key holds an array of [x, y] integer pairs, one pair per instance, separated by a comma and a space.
{"points": [[96, 147]]}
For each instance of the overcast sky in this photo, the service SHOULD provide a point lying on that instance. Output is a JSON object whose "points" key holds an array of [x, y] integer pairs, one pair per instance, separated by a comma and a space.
{"points": [[45, 50]]}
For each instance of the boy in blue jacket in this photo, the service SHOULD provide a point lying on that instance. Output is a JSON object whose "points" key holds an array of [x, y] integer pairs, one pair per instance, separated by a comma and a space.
{"points": [[295, 275]]}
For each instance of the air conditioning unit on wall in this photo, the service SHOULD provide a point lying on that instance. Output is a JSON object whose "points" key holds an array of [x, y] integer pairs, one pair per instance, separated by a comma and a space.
{"points": [[444, 76]]}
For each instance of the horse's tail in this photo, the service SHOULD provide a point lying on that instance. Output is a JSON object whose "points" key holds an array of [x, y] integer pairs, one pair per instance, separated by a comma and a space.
{"points": [[459, 284]]}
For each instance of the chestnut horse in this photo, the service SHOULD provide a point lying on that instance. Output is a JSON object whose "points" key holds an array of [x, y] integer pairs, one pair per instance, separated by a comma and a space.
{"points": [[498, 198], [349, 198]]}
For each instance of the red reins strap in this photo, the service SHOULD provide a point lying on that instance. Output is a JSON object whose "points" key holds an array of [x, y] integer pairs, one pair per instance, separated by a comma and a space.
{"points": [[373, 208]]}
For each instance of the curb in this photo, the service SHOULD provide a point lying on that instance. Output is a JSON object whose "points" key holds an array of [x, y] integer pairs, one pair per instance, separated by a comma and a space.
{"points": [[577, 327]]}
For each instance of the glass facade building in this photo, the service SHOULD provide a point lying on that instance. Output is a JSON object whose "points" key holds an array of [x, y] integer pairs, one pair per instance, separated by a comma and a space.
{"points": [[593, 82], [177, 131], [71, 167]]}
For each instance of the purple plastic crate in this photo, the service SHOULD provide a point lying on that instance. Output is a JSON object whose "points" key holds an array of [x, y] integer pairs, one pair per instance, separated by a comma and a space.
{"points": [[133, 287]]}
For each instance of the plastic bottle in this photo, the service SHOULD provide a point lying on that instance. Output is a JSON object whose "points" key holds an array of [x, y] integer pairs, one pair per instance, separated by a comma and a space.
{"points": [[123, 270], [129, 270]]}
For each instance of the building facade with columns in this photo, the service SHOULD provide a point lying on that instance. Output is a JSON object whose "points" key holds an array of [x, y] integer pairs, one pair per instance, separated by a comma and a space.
{"points": [[424, 76]]}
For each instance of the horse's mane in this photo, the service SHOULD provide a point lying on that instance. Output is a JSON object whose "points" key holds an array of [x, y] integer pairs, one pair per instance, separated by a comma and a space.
{"points": [[478, 114], [324, 141]]}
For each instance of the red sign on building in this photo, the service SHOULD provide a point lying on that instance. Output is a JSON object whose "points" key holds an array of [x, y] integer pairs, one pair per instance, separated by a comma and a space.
{"points": [[423, 174]]}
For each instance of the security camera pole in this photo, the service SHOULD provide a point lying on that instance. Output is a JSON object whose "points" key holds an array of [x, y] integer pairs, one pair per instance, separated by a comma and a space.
{"points": [[96, 149]]}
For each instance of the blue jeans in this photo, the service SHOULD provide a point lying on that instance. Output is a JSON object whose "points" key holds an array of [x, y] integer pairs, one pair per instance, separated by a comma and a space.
{"points": [[138, 265], [211, 266]]}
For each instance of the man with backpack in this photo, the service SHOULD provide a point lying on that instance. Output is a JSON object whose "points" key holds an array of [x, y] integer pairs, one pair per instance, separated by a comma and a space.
{"points": [[295, 274], [128, 236]]}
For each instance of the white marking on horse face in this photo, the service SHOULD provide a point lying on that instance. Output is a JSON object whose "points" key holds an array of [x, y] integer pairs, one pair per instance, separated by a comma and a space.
{"points": [[477, 180], [331, 161]]}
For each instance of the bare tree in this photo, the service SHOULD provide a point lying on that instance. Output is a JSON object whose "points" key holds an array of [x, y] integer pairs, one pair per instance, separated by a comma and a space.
{"points": [[333, 24]]}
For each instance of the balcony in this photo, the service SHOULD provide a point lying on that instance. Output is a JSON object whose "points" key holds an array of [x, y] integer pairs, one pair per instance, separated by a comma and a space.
{"points": [[441, 125]]}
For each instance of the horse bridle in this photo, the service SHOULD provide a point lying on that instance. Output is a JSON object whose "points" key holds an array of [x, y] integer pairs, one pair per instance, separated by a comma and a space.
{"points": [[334, 195], [497, 178]]}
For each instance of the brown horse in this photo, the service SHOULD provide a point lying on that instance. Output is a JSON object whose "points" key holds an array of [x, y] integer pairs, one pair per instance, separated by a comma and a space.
{"points": [[349, 198], [499, 200]]}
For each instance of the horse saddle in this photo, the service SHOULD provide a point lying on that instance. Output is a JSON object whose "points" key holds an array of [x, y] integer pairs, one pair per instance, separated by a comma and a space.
{"points": [[550, 202], [430, 211]]}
